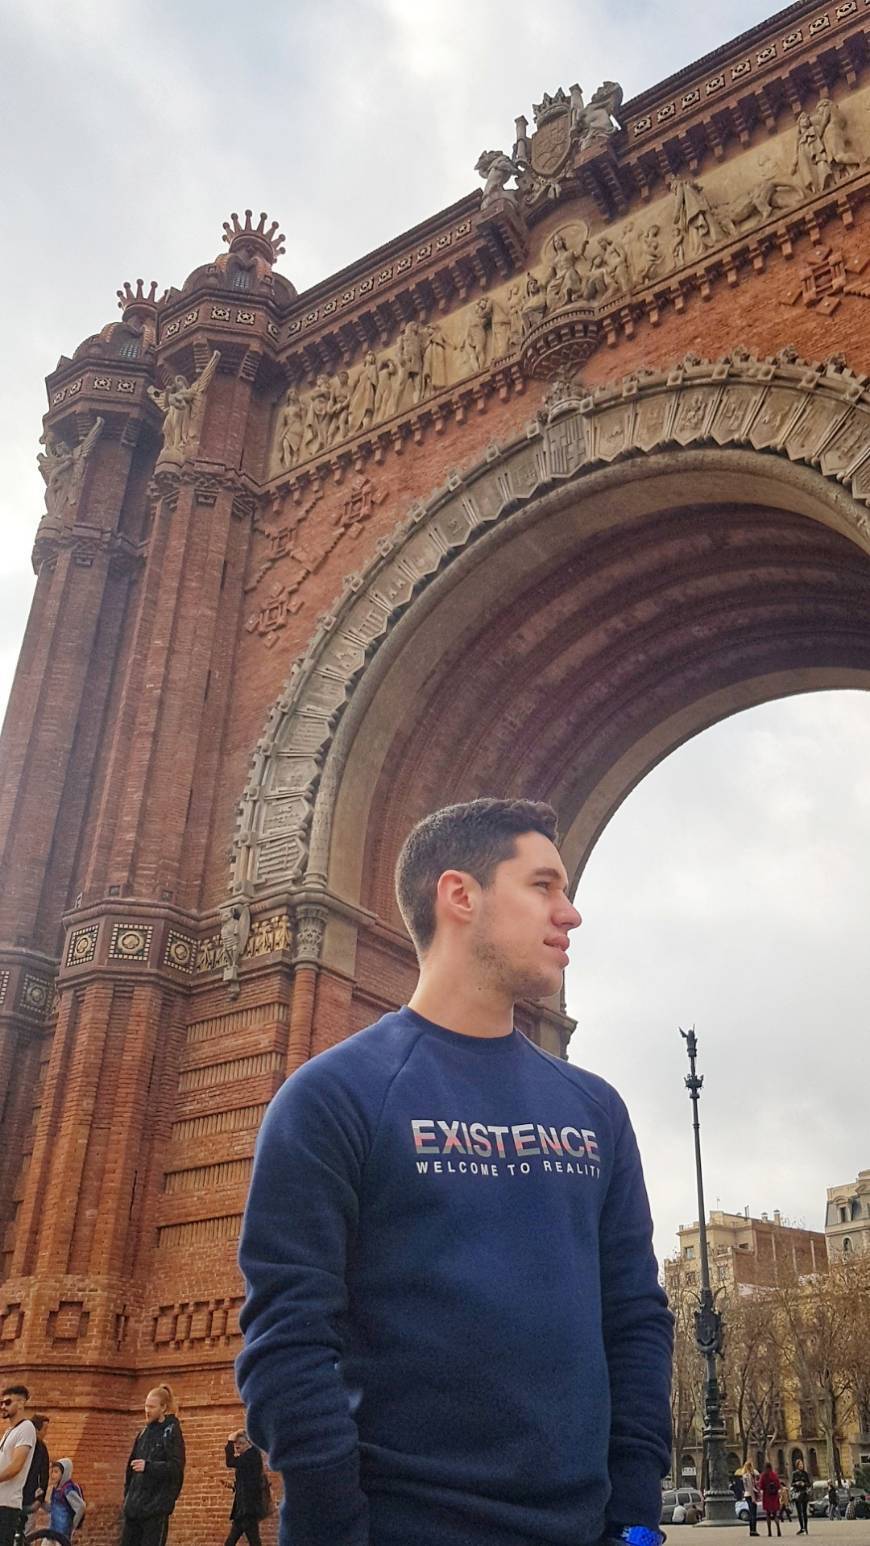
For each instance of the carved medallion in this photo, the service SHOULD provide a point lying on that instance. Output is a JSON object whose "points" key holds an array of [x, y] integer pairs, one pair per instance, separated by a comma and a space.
{"points": [[550, 145]]}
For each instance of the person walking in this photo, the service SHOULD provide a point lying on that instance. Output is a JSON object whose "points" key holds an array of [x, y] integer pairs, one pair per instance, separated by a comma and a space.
{"points": [[16, 1450], [833, 1502], [784, 1500], [801, 1487], [750, 1493], [249, 1489], [454, 1330], [155, 1472], [769, 1485]]}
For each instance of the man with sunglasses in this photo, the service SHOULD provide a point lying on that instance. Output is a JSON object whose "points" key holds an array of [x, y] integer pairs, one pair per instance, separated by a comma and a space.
{"points": [[16, 1447]]}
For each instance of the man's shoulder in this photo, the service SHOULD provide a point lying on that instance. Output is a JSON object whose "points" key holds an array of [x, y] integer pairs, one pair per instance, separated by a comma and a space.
{"points": [[586, 1083], [24, 1434], [363, 1064]]}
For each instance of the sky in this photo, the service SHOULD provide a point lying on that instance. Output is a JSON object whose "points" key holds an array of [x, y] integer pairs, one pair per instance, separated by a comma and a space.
{"points": [[731, 889]]}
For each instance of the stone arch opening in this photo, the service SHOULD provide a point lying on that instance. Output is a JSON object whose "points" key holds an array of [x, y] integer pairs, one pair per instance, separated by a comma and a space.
{"points": [[604, 630], [645, 562], [559, 620]]}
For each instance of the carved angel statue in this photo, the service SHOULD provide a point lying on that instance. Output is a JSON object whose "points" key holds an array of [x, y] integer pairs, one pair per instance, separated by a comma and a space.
{"points": [[598, 117], [181, 405], [63, 466], [495, 167]]}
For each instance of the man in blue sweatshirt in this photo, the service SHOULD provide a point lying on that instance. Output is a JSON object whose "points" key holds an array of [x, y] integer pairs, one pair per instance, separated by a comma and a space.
{"points": [[454, 1330]]}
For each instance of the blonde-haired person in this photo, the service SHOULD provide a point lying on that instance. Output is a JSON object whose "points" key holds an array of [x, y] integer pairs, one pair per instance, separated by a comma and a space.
{"points": [[750, 1493], [155, 1472]]}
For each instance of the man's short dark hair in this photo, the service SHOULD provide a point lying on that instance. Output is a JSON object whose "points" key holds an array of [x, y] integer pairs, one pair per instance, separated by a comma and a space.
{"points": [[39, 1420], [17, 1390], [475, 838]]}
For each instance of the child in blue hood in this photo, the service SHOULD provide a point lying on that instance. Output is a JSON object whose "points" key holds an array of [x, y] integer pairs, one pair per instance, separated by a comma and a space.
{"points": [[66, 1506]]}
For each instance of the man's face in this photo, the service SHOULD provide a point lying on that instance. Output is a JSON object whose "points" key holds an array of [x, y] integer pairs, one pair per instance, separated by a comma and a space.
{"points": [[519, 934], [153, 1407], [240, 1444], [11, 1407]]}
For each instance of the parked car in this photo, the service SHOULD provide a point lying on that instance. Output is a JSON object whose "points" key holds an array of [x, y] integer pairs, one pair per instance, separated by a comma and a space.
{"points": [[741, 1509], [690, 1497]]}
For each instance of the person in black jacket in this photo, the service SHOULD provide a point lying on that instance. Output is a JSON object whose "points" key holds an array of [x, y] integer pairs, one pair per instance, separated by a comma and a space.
{"points": [[801, 1487], [155, 1473], [36, 1485], [249, 1489]]}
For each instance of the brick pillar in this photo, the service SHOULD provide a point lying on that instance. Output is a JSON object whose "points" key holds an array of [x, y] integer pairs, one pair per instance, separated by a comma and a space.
{"points": [[86, 561]]}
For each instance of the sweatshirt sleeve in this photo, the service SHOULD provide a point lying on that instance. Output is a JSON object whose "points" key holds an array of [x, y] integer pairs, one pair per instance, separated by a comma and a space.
{"points": [[301, 1216], [638, 1338]]}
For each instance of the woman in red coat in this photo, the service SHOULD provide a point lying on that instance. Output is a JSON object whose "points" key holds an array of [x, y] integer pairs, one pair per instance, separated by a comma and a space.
{"points": [[769, 1484]]}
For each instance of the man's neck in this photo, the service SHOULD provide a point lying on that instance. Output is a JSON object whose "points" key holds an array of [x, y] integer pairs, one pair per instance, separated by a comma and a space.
{"points": [[469, 1009]]}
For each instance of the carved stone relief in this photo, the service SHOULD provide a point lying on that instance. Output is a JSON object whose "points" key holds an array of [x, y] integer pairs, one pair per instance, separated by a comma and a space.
{"points": [[575, 265], [827, 276], [301, 549]]}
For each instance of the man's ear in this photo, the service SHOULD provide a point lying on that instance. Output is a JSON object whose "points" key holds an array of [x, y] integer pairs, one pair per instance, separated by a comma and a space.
{"points": [[456, 896]]}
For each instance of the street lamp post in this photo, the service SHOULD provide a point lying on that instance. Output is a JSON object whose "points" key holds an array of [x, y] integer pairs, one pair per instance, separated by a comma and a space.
{"points": [[718, 1498]]}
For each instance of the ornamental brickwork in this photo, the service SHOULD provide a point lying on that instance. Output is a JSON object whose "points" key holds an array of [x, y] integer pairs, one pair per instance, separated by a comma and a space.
{"points": [[516, 504]]}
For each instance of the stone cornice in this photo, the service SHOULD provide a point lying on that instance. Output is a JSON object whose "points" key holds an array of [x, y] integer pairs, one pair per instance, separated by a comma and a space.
{"points": [[773, 48]]}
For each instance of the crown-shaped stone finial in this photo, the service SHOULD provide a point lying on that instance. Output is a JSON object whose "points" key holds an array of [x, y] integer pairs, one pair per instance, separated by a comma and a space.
{"points": [[265, 240], [136, 301], [551, 106]]}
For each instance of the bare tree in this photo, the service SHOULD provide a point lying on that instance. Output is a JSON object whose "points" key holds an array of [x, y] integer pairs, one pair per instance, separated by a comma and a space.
{"points": [[753, 1371], [688, 1371], [812, 1321]]}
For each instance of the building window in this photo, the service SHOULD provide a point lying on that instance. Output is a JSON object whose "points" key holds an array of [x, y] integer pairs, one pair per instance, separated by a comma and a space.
{"points": [[847, 1246], [130, 349], [241, 279], [844, 1216], [689, 1252]]}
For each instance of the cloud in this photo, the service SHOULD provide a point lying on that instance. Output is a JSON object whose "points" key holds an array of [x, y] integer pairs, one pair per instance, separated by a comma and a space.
{"points": [[731, 890]]}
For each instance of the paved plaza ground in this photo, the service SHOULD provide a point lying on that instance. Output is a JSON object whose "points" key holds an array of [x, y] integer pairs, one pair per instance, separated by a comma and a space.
{"points": [[838, 1532]]}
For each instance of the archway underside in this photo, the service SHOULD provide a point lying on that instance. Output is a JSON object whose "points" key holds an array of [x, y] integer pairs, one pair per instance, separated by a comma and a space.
{"points": [[565, 672]]}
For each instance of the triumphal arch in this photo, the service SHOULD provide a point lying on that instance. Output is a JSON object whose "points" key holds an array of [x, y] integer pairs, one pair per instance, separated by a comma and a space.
{"points": [[517, 503]]}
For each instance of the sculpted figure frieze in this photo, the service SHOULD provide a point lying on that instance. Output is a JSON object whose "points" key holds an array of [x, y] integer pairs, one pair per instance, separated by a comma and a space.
{"points": [[830, 125], [810, 164], [563, 281], [291, 429], [364, 393], [579, 263]]}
